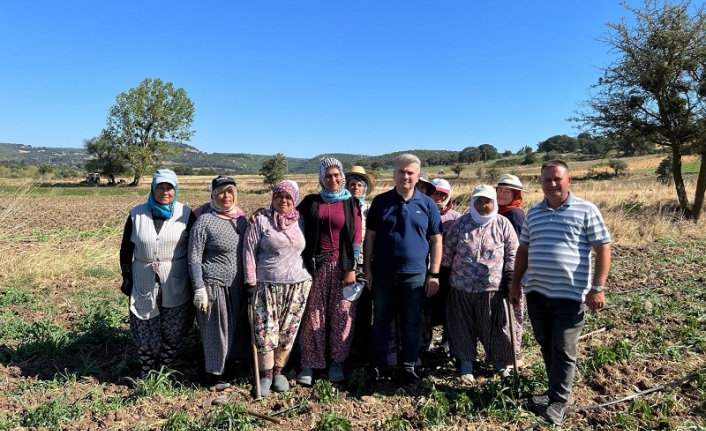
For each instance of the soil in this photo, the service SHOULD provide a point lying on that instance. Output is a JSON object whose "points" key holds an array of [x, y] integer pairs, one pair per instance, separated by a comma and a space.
{"points": [[650, 267]]}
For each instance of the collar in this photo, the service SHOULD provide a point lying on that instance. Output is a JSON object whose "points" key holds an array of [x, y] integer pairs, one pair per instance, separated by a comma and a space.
{"points": [[571, 199]]}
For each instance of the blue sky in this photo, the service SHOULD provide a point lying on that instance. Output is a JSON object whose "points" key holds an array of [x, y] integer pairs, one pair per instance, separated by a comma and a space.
{"points": [[307, 77]]}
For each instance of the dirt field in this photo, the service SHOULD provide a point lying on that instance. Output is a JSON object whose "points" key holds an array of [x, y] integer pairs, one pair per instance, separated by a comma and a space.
{"points": [[66, 358]]}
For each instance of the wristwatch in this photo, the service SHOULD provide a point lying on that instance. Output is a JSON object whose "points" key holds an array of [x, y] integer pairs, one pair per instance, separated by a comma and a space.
{"points": [[597, 288], [433, 274]]}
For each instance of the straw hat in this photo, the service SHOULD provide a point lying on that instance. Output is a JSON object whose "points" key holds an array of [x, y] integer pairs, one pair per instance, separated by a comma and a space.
{"points": [[510, 181], [359, 170]]}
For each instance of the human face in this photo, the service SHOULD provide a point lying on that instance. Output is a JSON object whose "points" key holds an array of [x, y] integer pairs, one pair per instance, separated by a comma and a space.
{"points": [[283, 202], [422, 187], [439, 197], [505, 195], [226, 198], [406, 177], [356, 188], [483, 205], [333, 179], [555, 184], [164, 193]]}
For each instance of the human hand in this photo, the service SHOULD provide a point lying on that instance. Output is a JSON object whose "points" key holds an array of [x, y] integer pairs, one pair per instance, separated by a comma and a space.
{"points": [[432, 286], [348, 278], [595, 300], [201, 299], [515, 295], [368, 274], [126, 287]]}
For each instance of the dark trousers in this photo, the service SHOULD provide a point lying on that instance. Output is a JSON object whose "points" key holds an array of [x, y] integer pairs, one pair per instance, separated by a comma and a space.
{"points": [[557, 324], [392, 294]]}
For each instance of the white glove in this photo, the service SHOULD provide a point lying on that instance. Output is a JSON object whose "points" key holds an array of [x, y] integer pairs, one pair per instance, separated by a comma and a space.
{"points": [[201, 299]]}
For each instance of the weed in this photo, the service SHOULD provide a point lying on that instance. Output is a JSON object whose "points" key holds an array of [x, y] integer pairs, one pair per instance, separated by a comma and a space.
{"points": [[18, 294], [640, 409], [358, 381], [50, 414], [434, 409], [463, 405], [229, 417], [163, 382], [624, 422], [332, 422], [13, 327], [395, 423], [325, 392], [178, 422]]}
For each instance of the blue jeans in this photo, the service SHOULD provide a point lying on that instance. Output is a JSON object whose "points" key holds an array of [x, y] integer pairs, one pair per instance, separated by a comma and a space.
{"points": [[557, 324], [393, 293]]}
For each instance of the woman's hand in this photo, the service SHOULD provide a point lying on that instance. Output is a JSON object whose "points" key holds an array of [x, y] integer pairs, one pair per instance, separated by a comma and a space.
{"points": [[348, 278], [201, 299]]}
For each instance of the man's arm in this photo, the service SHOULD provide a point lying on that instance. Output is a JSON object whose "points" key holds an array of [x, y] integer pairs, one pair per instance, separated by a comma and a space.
{"points": [[368, 244], [594, 299], [435, 249], [521, 259]]}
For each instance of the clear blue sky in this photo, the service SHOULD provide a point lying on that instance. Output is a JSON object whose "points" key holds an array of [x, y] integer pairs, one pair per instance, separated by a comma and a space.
{"points": [[307, 77]]}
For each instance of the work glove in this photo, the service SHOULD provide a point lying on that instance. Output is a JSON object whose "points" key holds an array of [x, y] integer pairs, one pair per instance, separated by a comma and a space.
{"points": [[201, 299], [506, 283], [126, 287]]}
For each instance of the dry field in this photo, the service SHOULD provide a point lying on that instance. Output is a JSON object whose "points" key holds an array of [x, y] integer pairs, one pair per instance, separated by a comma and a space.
{"points": [[66, 359]]}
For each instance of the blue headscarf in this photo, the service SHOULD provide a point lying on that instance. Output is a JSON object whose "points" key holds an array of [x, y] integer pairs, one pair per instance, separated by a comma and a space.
{"points": [[328, 195], [161, 210]]}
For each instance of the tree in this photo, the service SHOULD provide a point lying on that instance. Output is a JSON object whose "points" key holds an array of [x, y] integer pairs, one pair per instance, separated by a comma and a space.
{"points": [[529, 155], [617, 166], [273, 169], [558, 143], [105, 156], [144, 119], [655, 90], [488, 152], [457, 169], [469, 155]]}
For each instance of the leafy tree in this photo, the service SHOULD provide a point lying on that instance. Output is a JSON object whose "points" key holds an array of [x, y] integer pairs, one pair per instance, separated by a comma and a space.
{"points": [[274, 169], [664, 171], [655, 90], [558, 143], [143, 120], [469, 155], [105, 156], [488, 152], [529, 155], [457, 169], [617, 166]]}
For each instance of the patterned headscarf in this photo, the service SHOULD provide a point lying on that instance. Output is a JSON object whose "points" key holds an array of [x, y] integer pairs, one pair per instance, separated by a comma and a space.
{"points": [[283, 221], [160, 176], [330, 195], [234, 211], [361, 179]]}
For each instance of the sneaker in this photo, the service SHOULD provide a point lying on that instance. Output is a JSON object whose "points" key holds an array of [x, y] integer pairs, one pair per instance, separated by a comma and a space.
{"points": [[280, 383], [265, 384], [543, 400], [306, 376], [555, 412], [467, 371], [335, 373]]}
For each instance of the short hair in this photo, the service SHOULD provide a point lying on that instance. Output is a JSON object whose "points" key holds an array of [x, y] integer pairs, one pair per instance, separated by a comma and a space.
{"points": [[554, 163], [408, 159]]}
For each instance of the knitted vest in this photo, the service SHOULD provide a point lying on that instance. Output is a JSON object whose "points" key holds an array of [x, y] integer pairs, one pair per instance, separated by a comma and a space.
{"points": [[163, 255]]}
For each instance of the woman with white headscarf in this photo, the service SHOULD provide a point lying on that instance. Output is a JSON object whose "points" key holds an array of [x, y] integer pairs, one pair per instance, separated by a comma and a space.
{"points": [[153, 260], [332, 225], [479, 251], [216, 267]]}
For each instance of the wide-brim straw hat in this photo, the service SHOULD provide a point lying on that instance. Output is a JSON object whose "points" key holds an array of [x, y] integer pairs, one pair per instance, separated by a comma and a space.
{"points": [[359, 170], [510, 181]]}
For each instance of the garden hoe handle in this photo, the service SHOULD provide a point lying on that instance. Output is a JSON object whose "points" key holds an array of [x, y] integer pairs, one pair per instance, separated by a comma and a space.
{"points": [[511, 320], [256, 365]]}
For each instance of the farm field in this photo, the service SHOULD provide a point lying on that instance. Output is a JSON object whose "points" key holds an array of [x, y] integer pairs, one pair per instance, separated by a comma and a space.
{"points": [[67, 362]]}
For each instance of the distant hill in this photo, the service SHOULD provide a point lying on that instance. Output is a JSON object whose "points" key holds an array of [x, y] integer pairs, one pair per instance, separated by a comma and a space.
{"points": [[234, 163]]}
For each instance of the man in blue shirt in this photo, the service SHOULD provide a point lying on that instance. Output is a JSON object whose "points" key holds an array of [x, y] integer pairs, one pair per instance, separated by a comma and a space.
{"points": [[403, 228], [557, 238]]}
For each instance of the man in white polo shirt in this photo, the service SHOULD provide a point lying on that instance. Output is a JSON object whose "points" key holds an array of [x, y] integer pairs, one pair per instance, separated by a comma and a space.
{"points": [[557, 238]]}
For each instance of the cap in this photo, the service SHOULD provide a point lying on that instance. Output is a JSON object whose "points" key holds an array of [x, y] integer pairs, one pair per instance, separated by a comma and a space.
{"points": [[353, 291], [431, 188], [510, 181], [220, 180], [442, 185], [359, 170], [484, 190]]}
